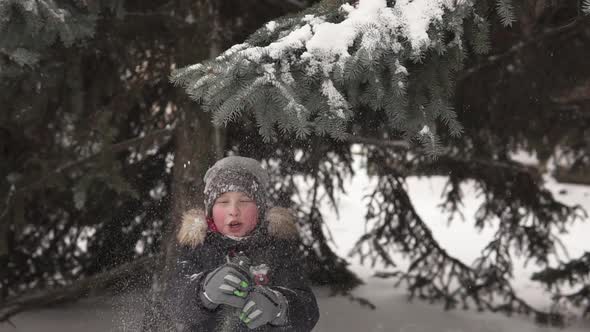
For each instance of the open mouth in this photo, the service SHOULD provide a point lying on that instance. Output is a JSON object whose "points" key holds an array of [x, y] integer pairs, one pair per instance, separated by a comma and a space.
{"points": [[234, 225]]}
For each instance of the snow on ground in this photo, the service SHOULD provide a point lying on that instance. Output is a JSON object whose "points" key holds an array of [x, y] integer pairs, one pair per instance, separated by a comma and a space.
{"points": [[393, 312]]}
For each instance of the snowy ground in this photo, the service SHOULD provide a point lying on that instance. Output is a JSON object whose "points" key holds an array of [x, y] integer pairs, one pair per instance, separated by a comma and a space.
{"points": [[393, 312]]}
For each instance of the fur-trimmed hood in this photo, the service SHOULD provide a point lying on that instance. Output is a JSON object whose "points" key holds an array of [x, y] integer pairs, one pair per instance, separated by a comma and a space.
{"points": [[193, 230]]}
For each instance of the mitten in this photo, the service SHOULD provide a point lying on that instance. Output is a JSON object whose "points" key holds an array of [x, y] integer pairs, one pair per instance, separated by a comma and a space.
{"points": [[228, 284], [264, 306]]}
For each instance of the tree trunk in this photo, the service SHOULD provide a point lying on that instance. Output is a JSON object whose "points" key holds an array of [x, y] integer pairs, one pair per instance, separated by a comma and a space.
{"points": [[197, 145]]}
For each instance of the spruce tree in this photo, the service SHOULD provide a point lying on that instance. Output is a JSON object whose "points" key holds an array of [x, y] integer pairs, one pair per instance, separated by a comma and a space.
{"points": [[65, 142], [385, 81], [91, 129], [90, 133], [29, 27]]}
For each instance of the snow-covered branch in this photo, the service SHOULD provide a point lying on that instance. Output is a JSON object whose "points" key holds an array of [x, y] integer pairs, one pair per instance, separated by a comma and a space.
{"points": [[310, 73]]}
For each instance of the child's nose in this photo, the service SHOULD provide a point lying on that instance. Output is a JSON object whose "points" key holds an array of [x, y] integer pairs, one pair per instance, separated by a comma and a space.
{"points": [[234, 210]]}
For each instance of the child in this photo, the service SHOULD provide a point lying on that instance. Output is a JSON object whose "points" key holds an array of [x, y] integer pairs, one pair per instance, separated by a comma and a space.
{"points": [[239, 267]]}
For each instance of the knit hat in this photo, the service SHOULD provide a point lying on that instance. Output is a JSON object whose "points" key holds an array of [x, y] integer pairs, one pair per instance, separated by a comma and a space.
{"points": [[238, 174]]}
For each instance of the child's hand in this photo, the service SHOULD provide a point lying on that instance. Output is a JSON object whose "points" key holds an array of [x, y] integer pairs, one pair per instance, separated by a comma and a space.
{"points": [[263, 306], [227, 284]]}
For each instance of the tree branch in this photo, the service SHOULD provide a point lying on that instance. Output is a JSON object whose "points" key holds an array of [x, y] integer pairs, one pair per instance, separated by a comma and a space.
{"points": [[158, 15], [118, 147], [417, 240], [398, 144], [546, 34], [294, 4], [401, 144]]}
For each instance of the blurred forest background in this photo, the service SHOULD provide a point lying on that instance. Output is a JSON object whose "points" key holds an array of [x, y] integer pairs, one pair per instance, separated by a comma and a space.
{"points": [[101, 153]]}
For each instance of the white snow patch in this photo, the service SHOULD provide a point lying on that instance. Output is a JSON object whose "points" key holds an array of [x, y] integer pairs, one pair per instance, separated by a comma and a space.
{"points": [[459, 238], [196, 66], [377, 23], [335, 99], [525, 158], [417, 15], [271, 26], [269, 68], [231, 51], [325, 43], [86, 233], [313, 20], [425, 130], [400, 69], [329, 40], [293, 40], [393, 313]]}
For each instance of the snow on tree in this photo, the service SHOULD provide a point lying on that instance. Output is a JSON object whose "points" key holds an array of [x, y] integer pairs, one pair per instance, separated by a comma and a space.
{"points": [[40, 24], [309, 73]]}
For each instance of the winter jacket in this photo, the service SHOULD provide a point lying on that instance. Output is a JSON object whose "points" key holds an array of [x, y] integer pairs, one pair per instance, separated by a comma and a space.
{"points": [[276, 263]]}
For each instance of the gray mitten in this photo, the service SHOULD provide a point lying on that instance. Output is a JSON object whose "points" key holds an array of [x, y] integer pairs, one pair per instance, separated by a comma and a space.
{"points": [[263, 306], [228, 284]]}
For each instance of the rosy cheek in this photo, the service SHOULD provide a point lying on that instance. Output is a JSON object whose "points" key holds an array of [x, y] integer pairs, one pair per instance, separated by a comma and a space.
{"points": [[251, 214], [218, 217]]}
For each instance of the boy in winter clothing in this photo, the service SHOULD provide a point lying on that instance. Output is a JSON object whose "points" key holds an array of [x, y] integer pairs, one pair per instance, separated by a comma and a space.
{"points": [[239, 268]]}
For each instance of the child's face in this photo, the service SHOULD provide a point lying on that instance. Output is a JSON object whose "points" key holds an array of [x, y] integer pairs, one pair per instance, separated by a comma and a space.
{"points": [[235, 214]]}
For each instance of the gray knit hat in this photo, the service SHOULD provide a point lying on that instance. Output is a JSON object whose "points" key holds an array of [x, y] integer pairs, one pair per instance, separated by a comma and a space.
{"points": [[237, 174]]}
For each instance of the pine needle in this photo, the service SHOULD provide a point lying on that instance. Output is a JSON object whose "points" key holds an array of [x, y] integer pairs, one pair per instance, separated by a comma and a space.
{"points": [[505, 10]]}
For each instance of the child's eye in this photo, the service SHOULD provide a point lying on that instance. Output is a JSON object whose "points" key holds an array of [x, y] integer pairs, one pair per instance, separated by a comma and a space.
{"points": [[246, 200]]}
